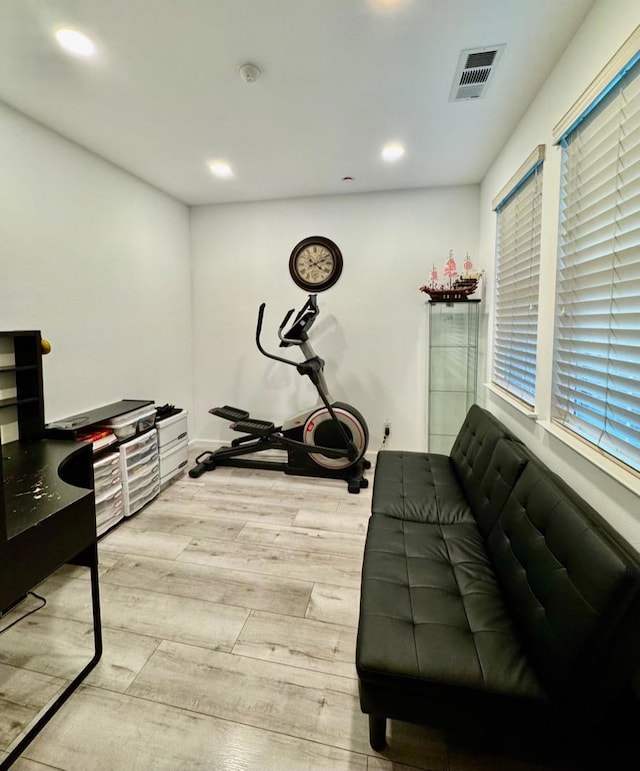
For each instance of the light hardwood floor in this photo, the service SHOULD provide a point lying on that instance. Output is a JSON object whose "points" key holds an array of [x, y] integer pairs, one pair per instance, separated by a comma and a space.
{"points": [[230, 607]]}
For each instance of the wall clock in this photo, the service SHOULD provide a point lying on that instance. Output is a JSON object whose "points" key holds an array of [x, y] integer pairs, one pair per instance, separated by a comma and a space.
{"points": [[315, 264]]}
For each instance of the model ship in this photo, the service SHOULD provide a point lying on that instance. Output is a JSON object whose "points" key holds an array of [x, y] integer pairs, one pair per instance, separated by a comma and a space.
{"points": [[455, 287]]}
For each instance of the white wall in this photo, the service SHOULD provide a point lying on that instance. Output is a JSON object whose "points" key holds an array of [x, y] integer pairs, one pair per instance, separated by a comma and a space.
{"points": [[371, 330], [615, 494], [99, 262]]}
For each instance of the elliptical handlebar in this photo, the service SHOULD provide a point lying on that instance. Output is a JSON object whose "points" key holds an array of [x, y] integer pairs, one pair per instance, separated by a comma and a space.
{"points": [[282, 337], [297, 334], [259, 331]]}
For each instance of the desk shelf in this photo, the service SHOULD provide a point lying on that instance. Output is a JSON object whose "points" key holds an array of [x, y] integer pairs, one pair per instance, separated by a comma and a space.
{"points": [[21, 390]]}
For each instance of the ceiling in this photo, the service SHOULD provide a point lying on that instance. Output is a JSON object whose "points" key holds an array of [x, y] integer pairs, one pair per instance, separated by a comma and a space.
{"points": [[163, 96]]}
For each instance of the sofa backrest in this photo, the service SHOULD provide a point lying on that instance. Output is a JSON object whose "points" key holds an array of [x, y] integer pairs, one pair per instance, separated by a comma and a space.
{"points": [[473, 449], [492, 490], [573, 589]]}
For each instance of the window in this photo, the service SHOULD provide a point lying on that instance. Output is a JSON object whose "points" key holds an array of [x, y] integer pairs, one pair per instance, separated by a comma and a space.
{"points": [[596, 369], [517, 279]]}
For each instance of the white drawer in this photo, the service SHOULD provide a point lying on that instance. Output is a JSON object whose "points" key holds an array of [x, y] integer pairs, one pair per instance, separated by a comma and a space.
{"points": [[105, 465], [173, 460], [142, 497], [106, 487], [172, 429], [148, 458], [139, 444], [109, 511], [145, 476]]}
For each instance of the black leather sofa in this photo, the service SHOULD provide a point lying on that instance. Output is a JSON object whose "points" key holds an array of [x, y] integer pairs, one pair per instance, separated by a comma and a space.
{"points": [[491, 591]]}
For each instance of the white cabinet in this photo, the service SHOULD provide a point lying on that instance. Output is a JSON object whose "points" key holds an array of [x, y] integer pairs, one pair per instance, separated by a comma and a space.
{"points": [[173, 445], [140, 471], [453, 359]]}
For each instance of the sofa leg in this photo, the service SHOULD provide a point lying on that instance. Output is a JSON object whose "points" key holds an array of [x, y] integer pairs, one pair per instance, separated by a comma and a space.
{"points": [[377, 732]]}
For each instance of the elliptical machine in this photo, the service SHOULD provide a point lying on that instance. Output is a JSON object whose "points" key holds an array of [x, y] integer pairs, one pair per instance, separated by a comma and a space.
{"points": [[327, 440]]}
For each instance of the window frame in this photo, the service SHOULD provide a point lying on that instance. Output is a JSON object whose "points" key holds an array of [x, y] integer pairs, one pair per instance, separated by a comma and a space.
{"points": [[517, 370], [593, 104]]}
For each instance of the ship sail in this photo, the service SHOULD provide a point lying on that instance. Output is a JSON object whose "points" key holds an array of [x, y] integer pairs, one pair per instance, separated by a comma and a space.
{"points": [[450, 268]]}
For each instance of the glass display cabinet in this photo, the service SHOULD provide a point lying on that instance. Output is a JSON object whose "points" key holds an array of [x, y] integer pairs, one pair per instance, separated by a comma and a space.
{"points": [[452, 369]]}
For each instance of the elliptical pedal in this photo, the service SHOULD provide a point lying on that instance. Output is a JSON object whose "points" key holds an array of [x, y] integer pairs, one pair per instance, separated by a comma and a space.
{"points": [[254, 427], [229, 413]]}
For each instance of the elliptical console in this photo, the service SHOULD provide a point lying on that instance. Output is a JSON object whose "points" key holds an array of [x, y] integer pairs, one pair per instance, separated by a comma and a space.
{"points": [[327, 440]]}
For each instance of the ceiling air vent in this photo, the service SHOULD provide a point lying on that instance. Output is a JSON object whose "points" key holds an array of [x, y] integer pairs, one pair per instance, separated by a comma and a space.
{"points": [[476, 67]]}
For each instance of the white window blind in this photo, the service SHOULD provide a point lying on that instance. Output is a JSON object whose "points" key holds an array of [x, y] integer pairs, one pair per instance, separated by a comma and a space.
{"points": [[596, 382], [516, 285]]}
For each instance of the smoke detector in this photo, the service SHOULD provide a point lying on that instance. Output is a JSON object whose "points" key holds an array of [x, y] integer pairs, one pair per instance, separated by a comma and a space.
{"points": [[476, 67], [249, 72]]}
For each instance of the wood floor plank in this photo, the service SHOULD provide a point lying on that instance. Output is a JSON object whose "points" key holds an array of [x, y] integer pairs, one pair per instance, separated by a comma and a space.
{"points": [[23, 695], [305, 566], [61, 647], [303, 539], [334, 604], [375, 763], [233, 492], [301, 643], [342, 521], [124, 733], [192, 621], [129, 540], [310, 705], [180, 489], [230, 587], [173, 522], [105, 561], [229, 479], [229, 507], [312, 486], [361, 502], [24, 764]]}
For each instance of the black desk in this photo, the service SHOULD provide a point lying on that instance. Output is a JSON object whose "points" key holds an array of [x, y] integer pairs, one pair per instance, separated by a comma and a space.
{"points": [[47, 519]]}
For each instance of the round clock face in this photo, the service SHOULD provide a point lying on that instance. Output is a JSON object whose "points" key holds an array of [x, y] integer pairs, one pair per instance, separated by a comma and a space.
{"points": [[315, 264]]}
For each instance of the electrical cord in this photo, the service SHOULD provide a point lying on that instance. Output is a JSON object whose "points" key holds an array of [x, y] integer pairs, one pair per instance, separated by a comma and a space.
{"points": [[33, 610], [387, 431]]}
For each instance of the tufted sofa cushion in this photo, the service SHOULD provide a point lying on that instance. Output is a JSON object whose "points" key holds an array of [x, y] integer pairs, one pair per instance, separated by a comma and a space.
{"points": [[424, 487], [427, 487], [418, 487], [474, 446], [433, 613]]}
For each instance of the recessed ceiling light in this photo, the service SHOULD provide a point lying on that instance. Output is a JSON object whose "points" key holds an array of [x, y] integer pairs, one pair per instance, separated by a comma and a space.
{"points": [[220, 169], [75, 42], [392, 151], [387, 5]]}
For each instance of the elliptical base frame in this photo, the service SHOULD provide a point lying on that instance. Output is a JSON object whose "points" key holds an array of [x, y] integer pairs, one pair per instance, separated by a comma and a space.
{"points": [[299, 456], [228, 456]]}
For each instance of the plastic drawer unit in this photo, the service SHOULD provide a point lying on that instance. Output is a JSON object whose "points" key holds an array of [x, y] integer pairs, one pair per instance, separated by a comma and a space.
{"points": [[140, 471], [173, 444], [131, 423], [107, 477]]}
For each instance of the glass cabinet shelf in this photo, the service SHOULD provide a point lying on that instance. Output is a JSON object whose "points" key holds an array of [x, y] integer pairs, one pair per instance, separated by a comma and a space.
{"points": [[452, 369]]}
